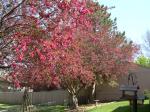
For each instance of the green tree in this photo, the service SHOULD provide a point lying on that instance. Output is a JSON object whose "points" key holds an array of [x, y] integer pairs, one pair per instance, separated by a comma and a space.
{"points": [[144, 61]]}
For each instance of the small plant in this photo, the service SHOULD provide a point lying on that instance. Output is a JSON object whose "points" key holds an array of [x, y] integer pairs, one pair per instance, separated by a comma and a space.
{"points": [[147, 94]]}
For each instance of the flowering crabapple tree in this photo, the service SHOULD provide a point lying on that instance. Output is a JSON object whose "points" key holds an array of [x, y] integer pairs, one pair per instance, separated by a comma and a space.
{"points": [[107, 53], [73, 75], [47, 28]]}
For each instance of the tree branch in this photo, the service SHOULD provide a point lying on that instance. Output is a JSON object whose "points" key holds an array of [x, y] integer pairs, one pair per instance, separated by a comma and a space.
{"points": [[10, 12], [6, 44]]}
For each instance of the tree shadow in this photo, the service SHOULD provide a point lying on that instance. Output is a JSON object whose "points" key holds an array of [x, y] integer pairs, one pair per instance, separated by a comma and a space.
{"points": [[122, 109], [141, 108], [8, 108], [51, 108]]}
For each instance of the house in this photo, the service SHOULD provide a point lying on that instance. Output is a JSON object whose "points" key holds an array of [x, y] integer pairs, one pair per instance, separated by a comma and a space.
{"points": [[107, 93]]}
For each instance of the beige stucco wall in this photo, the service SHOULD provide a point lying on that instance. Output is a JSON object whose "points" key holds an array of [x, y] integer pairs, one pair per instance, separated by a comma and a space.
{"points": [[106, 92]]}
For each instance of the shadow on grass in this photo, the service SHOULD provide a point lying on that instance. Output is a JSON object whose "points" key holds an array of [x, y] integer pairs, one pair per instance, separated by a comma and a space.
{"points": [[8, 108], [141, 108], [42, 108], [51, 108]]}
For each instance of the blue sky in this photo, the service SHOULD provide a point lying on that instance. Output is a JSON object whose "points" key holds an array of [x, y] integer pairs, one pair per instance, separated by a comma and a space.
{"points": [[133, 17]]}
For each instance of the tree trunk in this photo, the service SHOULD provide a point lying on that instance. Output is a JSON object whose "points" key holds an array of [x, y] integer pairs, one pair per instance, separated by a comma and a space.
{"points": [[92, 96], [74, 101], [26, 105]]}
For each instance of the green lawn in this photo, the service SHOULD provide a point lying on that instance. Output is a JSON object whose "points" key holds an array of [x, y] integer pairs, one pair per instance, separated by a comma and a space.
{"points": [[120, 107]]}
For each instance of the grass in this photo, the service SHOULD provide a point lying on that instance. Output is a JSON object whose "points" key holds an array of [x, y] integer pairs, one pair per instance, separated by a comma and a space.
{"points": [[57, 108], [43, 108], [122, 106], [8, 108]]}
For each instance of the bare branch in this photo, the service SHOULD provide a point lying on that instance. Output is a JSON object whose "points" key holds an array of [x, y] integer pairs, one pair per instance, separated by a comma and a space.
{"points": [[10, 12], [6, 44]]}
